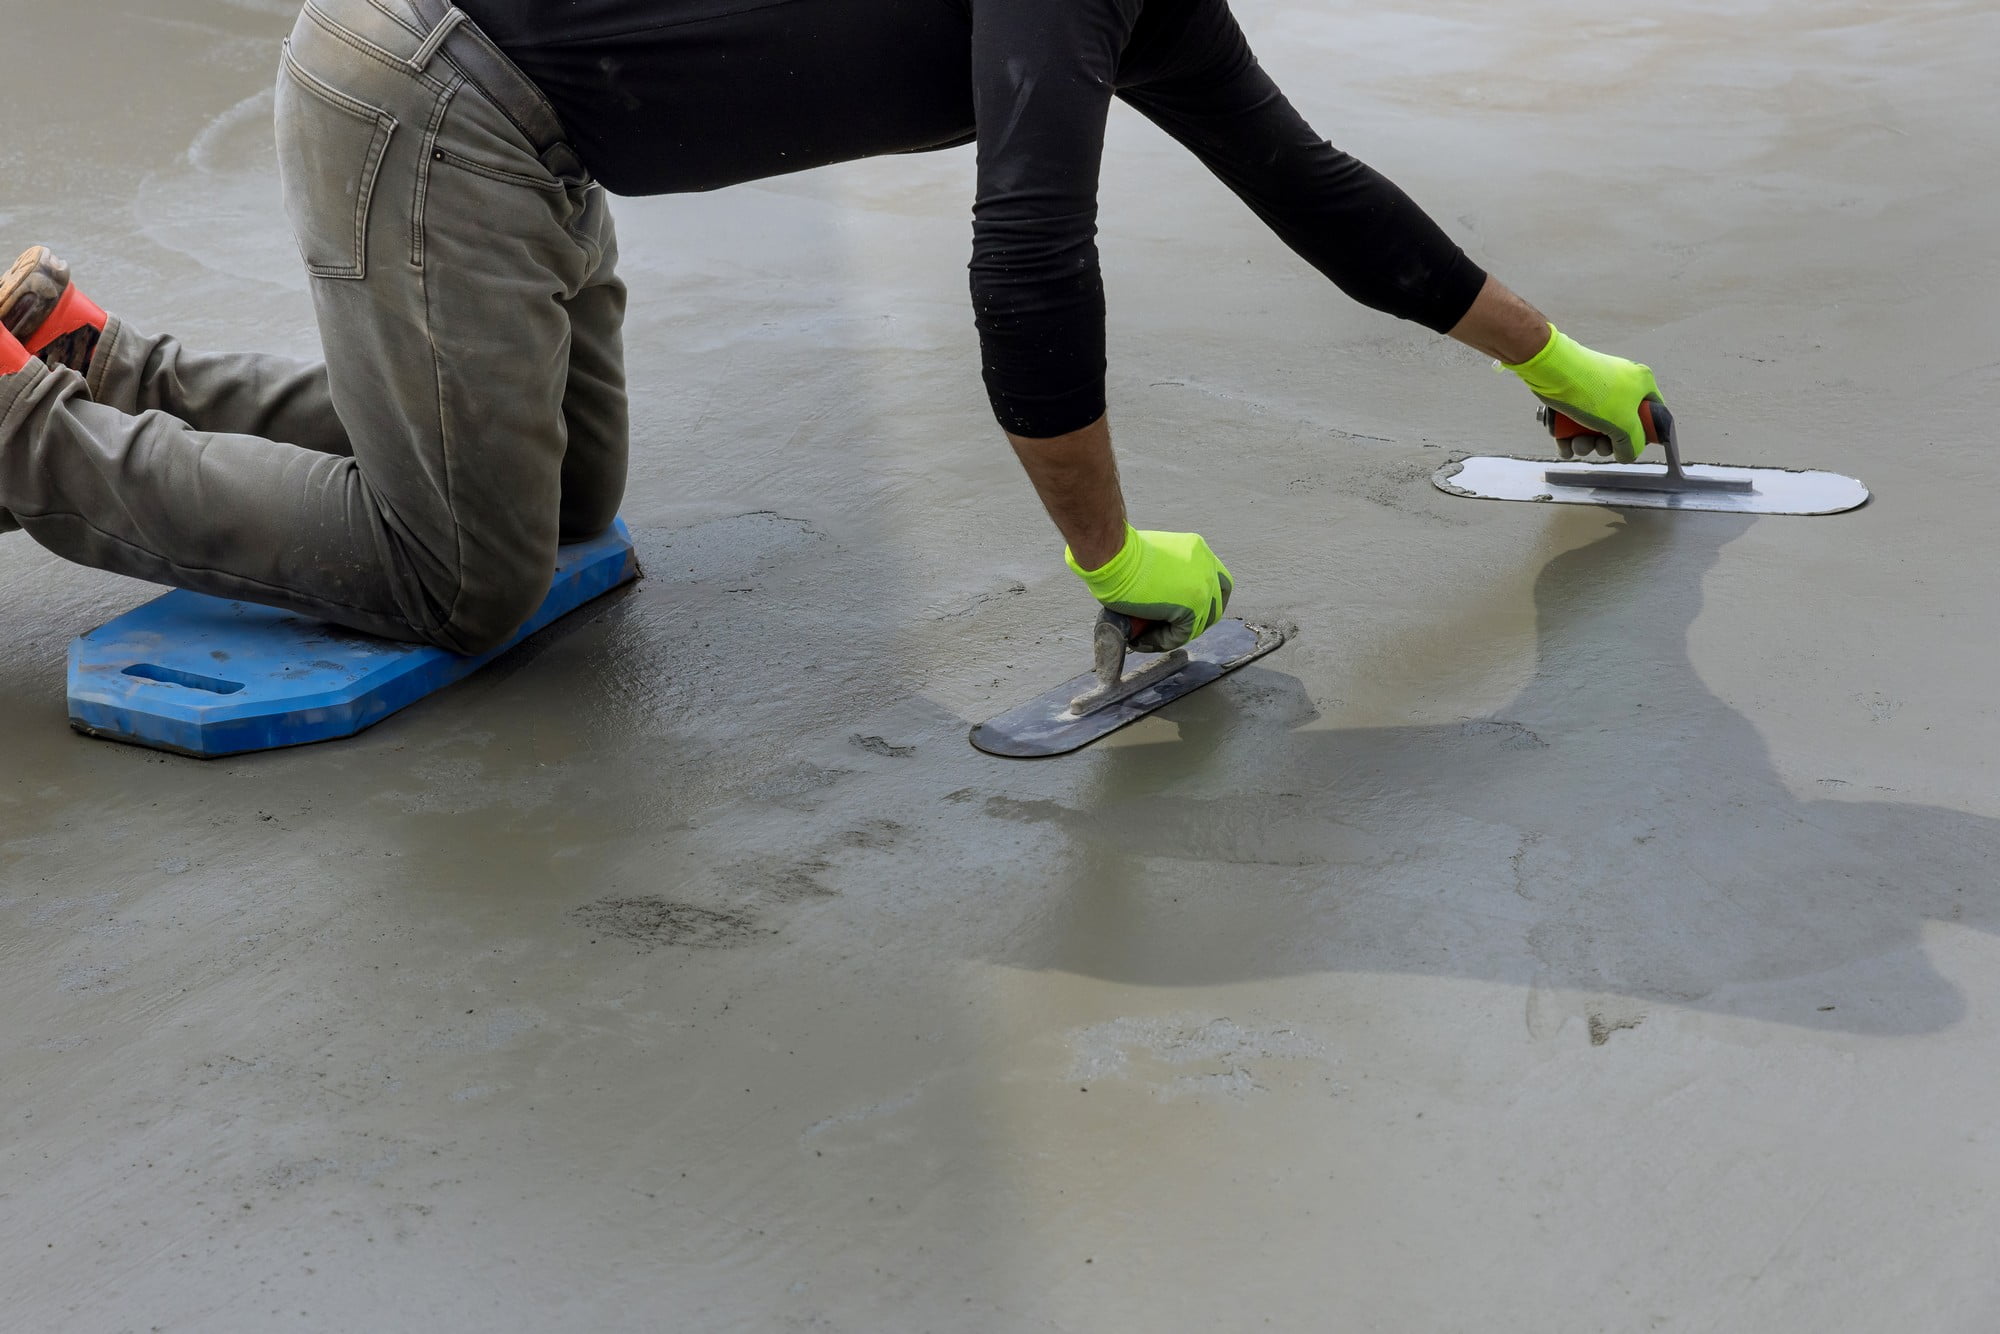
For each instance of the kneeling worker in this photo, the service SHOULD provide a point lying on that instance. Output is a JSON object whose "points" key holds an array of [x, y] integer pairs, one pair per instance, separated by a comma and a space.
{"points": [[445, 172]]}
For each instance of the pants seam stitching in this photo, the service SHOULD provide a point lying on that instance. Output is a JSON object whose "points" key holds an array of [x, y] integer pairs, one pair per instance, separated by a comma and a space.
{"points": [[104, 358], [289, 595], [369, 49], [444, 454], [395, 18], [29, 375], [551, 186], [427, 152]]}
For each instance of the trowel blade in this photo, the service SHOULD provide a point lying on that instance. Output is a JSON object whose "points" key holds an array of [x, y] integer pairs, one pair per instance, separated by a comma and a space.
{"points": [[1773, 490], [1045, 726]]}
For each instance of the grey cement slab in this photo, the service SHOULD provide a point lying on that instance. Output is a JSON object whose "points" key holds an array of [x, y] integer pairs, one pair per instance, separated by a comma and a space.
{"points": [[1586, 923]]}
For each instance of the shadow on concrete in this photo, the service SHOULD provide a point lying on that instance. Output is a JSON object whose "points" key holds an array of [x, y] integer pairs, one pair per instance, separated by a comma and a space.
{"points": [[1616, 829]]}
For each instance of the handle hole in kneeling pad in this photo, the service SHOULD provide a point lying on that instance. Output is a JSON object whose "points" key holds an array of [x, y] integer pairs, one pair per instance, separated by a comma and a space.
{"points": [[173, 676]]}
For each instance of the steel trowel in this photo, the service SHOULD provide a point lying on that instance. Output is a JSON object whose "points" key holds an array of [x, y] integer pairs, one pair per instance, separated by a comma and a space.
{"points": [[1673, 485], [1098, 703]]}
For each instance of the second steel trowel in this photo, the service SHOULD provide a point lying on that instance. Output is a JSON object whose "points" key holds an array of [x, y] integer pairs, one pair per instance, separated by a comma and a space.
{"points": [[1674, 486], [1094, 705]]}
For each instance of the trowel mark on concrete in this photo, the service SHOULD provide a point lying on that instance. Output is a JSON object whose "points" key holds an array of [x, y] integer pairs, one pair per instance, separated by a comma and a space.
{"points": [[734, 547], [227, 185], [652, 922], [1299, 414], [1013, 588], [1106, 1050], [212, 149], [887, 1107]]}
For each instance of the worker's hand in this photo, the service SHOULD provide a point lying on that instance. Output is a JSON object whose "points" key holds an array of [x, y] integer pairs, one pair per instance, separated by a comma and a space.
{"points": [[1594, 390], [1172, 581]]}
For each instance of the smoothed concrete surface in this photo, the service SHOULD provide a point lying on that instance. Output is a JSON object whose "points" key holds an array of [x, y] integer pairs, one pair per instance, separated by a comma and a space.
{"points": [[1587, 923]]}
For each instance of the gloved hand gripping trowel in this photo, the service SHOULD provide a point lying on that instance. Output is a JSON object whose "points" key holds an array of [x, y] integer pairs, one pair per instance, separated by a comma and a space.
{"points": [[1607, 405], [1164, 591], [1592, 404]]}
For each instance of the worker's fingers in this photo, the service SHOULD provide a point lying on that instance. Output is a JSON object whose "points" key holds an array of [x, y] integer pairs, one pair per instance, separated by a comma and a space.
{"points": [[1585, 446]]}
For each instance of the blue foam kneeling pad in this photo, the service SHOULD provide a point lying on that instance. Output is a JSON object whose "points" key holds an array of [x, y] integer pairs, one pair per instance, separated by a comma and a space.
{"points": [[205, 676]]}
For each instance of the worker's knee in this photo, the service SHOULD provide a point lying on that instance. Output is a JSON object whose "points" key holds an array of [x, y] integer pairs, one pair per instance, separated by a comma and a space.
{"points": [[587, 518], [490, 609]]}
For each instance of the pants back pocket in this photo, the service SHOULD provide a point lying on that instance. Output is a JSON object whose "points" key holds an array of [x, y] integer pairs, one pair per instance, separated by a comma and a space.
{"points": [[330, 150]]}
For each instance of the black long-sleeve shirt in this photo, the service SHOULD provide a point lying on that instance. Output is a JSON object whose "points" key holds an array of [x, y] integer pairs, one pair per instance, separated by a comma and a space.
{"points": [[666, 96]]}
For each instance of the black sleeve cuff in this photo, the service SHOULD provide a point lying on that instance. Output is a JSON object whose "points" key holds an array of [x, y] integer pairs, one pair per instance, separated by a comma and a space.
{"points": [[1452, 296], [1045, 416]]}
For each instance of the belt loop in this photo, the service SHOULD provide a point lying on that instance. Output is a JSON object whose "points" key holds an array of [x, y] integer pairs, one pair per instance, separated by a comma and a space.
{"points": [[445, 28], [562, 160]]}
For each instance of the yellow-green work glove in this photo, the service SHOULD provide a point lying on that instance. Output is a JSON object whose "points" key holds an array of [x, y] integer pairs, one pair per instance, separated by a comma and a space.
{"points": [[1172, 581], [1593, 390]]}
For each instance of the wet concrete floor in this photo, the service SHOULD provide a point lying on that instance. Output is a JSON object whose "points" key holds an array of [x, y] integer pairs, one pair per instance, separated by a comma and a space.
{"points": [[1587, 923]]}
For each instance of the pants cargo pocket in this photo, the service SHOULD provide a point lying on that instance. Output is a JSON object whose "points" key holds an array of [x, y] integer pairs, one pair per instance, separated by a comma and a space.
{"points": [[330, 149]]}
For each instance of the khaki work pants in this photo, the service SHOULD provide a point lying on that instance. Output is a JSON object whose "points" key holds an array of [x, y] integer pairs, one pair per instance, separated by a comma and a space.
{"points": [[471, 411]]}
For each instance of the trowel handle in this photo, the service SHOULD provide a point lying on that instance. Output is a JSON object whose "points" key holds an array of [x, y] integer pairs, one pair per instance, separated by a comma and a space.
{"points": [[1129, 626], [1659, 423]]}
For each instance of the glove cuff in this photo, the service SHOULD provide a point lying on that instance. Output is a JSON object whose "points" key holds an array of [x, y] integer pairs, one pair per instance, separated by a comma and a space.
{"points": [[1114, 573], [1542, 372]]}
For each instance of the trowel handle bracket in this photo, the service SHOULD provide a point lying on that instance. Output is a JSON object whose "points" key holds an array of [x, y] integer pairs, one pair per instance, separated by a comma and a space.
{"points": [[1109, 643], [1659, 425]]}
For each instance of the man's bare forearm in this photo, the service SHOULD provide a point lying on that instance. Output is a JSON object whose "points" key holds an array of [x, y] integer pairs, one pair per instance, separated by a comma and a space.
{"points": [[1502, 325], [1076, 475]]}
